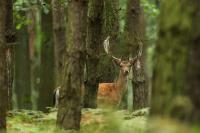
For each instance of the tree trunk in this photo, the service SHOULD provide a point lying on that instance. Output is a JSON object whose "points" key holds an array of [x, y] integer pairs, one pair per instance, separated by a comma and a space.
{"points": [[22, 81], [34, 45], [10, 40], [22, 70], [3, 88], [32, 31], [111, 21], [69, 109], [94, 44], [59, 30], [47, 79], [110, 28], [176, 78], [134, 35]]}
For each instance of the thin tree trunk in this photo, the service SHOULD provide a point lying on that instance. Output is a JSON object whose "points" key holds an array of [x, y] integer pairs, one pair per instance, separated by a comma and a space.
{"points": [[36, 53], [134, 35], [94, 44], [10, 40], [176, 80], [33, 48], [47, 76], [69, 109], [3, 87], [59, 30], [32, 31]]}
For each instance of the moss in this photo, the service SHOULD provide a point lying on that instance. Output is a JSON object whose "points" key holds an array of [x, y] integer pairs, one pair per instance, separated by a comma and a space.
{"points": [[171, 54], [175, 83], [166, 125], [173, 10], [93, 121]]}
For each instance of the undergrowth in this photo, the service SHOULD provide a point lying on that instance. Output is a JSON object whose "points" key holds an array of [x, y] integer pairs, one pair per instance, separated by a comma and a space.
{"points": [[93, 121]]}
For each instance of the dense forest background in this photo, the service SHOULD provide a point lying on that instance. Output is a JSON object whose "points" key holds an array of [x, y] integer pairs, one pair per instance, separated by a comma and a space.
{"points": [[50, 45]]}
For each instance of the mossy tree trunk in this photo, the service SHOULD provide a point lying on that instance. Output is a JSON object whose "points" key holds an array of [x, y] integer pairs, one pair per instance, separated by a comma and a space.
{"points": [[22, 80], [110, 28], [33, 50], [10, 41], [47, 75], [69, 109], [59, 32], [176, 78], [3, 88], [111, 21], [134, 38], [94, 44]]}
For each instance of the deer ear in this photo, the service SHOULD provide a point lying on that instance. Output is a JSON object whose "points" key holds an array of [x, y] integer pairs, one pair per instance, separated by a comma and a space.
{"points": [[117, 61]]}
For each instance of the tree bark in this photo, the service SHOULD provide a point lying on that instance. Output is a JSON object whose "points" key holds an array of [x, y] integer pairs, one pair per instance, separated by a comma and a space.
{"points": [[176, 79], [59, 32], [22, 69], [69, 109], [94, 44], [32, 31], [3, 88], [10, 40], [110, 28], [111, 21], [134, 36], [47, 75], [34, 40]]}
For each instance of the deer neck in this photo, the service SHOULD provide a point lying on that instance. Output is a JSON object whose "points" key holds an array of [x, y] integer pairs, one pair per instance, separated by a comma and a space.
{"points": [[121, 81]]}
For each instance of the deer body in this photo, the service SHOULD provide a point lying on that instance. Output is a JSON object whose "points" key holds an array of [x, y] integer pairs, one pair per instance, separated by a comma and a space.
{"points": [[111, 92]]}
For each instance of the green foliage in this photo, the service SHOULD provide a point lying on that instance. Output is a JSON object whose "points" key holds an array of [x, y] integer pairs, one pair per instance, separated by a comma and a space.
{"points": [[169, 125], [195, 128], [93, 121], [122, 14], [64, 2], [21, 7], [46, 8], [21, 20]]}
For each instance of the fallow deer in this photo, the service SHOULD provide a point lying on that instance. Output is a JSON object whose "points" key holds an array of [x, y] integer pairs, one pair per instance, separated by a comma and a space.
{"points": [[111, 93]]}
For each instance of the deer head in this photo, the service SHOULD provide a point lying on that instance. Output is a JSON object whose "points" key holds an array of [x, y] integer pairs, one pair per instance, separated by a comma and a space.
{"points": [[124, 65]]}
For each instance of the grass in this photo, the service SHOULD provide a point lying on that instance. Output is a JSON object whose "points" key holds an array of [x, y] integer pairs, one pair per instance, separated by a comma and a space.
{"points": [[96, 121], [93, 121]]}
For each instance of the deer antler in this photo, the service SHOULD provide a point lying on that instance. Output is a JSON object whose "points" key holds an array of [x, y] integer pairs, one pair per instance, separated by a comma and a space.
{"points": [[106, 45]]}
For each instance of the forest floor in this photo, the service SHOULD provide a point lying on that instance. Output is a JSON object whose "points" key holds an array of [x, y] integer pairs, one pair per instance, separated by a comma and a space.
{"points": [[92, 121]]}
